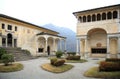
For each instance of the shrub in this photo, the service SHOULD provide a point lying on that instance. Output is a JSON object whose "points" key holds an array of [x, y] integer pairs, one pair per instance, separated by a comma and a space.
{"points": [[27, 52], [59, 54], [113, 59], [53, 60], [59, 62], [7, 58], [109, 66], [2, 51], [73, 58], [71, 53]]}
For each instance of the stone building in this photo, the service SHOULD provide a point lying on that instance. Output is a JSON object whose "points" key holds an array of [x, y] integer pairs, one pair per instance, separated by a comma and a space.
{"points": [[98, 31], [36, 39]]}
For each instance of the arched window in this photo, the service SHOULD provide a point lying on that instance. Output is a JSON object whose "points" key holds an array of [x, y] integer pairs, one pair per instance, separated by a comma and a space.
{"points": [[98, 17], [103, 16], [109, 15], [88, 18], [93, 17], [84, 18], [115, 13], [80, 19], [9, 39]]}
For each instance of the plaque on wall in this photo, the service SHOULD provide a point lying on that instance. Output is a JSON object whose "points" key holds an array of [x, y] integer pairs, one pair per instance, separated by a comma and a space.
{"points": [[98, 44]]}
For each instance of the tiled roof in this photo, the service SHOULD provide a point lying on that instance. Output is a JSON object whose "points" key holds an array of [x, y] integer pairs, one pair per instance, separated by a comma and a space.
{"points": [[12, 18], [117, 5], [43, 33]]}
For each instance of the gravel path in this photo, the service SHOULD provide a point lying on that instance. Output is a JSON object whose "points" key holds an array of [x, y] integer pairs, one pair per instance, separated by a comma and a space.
{"points": [[32, 70]]}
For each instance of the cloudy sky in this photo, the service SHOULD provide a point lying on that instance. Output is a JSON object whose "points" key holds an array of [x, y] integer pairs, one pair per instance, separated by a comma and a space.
{"points": [[57, 12]]}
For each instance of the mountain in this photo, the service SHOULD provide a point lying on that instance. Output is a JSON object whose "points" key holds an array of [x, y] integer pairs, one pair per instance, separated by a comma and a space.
{"points": [[66, 32]]}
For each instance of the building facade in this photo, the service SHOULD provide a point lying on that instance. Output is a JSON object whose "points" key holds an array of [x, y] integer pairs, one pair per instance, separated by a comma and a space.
{"points": [[36, 39], [98, 31]]}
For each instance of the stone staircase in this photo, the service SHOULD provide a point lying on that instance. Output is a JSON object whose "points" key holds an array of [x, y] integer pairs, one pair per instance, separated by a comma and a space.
{"points": [[19, 55]]}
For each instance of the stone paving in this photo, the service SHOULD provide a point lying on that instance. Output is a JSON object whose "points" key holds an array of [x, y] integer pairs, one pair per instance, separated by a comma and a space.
{"points": [[32, 70]]}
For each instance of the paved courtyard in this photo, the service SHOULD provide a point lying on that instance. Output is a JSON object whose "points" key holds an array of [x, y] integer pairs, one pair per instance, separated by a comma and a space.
{"points": [[32, 70]]}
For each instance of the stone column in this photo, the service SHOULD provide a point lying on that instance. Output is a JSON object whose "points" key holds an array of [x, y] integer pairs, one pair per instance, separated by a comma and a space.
{"points": [[118, 47], [46, 43], [60, 45], [118, 20], [118, 14], [13, 42], [54, 46], [86, 48], [108, 47], [36, 46], [6, 42], [77, 47], [65, 45], [86, 44]]}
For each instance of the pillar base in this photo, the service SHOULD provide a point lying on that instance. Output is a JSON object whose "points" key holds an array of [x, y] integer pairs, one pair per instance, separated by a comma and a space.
{"points": [[118, 56], [77, 54], [108, 55]]}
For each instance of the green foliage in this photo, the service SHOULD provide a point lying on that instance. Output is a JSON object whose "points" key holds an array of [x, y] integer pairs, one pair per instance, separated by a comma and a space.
{"points": [[73, 58], [59, 54], [7, 58], [53, 60], [94, 72], [71, 53], [59, 69], [109, 66], [113, 60], [2, 51], [27, 52], [59, 62]]}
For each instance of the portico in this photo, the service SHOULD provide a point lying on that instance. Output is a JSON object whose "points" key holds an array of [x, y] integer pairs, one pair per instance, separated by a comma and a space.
{"points": [[47, 44]]}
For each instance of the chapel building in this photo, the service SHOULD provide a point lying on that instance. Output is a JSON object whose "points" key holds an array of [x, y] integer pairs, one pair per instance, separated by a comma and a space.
{"points": [[98, 31], [21, 34]]}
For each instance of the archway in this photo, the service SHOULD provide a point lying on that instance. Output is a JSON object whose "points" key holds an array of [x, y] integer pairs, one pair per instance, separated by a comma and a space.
{"points": [[9, 39], [41, 45], [97, 41]]}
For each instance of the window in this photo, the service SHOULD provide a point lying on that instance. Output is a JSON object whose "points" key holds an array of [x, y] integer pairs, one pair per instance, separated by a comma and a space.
{"points": [[93, 17], [80, 19], [88, 18], [98, 17], [9, 27], [84, 18], [3, 26], [15, 28], [99, 50], [109, 15], [115, 14], [103, 16]]}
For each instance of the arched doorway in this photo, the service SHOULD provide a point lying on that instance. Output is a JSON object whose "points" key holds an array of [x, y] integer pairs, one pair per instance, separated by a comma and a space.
{"points": [[97, 41], [9, 40], [41, 45]]}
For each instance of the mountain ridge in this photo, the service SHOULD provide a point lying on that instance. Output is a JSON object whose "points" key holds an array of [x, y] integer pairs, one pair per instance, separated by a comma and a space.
{"points": [[65, 32]]}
